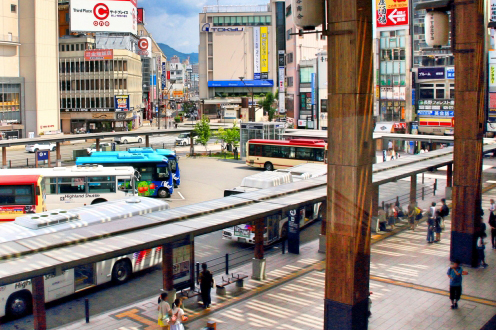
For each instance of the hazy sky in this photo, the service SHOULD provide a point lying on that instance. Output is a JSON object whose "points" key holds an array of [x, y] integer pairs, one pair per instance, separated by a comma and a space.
{"points": [[175, 22]]}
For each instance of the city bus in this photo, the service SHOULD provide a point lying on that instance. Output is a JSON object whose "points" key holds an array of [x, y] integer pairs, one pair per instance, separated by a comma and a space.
{"points": [[16, 298], [20, 194], [152, 171], [34, 190], [171, 156], [276, 226], [278, 154]]}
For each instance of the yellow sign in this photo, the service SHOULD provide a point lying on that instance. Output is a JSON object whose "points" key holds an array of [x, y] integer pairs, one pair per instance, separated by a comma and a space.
{"points": [[492, 75], [178, 93], [264, 49]]}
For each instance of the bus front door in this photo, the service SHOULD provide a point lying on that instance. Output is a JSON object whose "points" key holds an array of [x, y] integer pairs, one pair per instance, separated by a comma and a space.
{"points": [[84, 277]]}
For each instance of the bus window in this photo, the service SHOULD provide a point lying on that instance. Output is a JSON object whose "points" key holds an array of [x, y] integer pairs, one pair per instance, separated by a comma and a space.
{"points": [[251, 150], [284, 152], [292, 153], [173, 165], [319, 155], [304, 153], [124, 184], [17, 195], [50, 186], [101, 184], [162, 172], [146, 173], [71, 185]]}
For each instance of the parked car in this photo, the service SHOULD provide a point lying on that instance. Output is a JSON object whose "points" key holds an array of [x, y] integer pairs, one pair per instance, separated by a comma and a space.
{"points": [[41, 146], [184, 139], [128, 139], [92, 148]]}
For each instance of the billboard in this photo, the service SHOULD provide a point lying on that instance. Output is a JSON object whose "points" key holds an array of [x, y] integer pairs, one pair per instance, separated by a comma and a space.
{"points": [[98, 54], [256, 53], [122, 103], [145, 47], [264, 51], [104, 16], [391, 13], [141, 16], [431, 73]]}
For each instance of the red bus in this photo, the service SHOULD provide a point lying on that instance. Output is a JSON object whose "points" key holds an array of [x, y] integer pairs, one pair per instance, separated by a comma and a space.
{"points": [[20, 194], [277, 154]]}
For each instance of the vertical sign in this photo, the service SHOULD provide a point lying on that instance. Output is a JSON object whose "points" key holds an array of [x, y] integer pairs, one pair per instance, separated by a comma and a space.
{"points": [[282, 98], [164, 76], [391, 13], [294, 218], [256, 53], [264, 52], [312, 80]]}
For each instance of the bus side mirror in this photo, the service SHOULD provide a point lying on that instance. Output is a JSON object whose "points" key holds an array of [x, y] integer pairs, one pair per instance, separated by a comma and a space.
{"points": [[38, 191]]}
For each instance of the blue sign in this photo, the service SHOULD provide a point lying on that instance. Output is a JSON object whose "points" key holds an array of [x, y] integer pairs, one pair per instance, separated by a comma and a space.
{"points": [[239, 83], [153, 80], [450, 73], [42, 155], [256, 76], [431, 73], [436, 113], [313, 88], [413, 96]]}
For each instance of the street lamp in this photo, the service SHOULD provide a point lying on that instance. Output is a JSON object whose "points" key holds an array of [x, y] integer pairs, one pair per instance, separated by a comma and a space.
{"points": [[252, 103]]}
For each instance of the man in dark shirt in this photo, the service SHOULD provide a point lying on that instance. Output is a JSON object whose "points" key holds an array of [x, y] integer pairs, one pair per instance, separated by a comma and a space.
{"points": [[206, 283]]}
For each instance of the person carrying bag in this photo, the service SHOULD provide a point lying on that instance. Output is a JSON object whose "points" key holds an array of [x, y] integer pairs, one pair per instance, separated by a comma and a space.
{"points": [[163, 311], [177, 316]]}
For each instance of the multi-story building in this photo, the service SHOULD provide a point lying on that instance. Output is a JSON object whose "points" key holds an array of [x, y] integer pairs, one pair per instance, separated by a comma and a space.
{"points": [[237, 41], [177, 77], [100, 89], [299, 48], [28, 68]]}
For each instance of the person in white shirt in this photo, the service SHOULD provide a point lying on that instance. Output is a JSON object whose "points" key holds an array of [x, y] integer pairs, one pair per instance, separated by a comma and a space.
{"points": [[390, 145], [177, 313], [163, 311]]}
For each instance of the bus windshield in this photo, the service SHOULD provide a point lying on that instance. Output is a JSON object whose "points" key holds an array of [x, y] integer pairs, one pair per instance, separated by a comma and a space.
{"points": [[17, 195]]}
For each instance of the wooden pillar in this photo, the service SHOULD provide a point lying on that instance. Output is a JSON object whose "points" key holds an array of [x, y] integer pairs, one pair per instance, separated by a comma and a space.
{"points": [[449, 176], [4, 157], [97, 144], [39, 303], [147, 141], [413, 188], [375, 200], [467, 18], [349, 195], [192, 261], [58, 155], [259, 230], [323, 225], [167, 271]]}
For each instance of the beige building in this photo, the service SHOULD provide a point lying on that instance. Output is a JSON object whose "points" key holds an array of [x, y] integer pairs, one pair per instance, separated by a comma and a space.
{"points": [[28, 68], [94, 89], [236, 41]]}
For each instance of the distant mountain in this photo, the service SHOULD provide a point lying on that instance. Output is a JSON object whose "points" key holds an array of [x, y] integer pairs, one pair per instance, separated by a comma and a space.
{"points": [[169, 52]]}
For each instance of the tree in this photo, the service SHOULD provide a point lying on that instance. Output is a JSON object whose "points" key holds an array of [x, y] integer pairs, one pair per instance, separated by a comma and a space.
{"points": [[203, 132], [229, 136], [189, 108], [267, 105]]}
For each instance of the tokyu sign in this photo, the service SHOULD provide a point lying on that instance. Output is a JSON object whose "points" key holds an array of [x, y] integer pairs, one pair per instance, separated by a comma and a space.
{"points": [[104, 16], [391, 13]]}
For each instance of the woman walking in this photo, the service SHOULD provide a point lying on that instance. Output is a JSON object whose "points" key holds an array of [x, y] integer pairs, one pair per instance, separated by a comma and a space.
{"points": [[177, 316], [163, 311], [438, 227], [390, 214], [481, 246], [411, 215]]}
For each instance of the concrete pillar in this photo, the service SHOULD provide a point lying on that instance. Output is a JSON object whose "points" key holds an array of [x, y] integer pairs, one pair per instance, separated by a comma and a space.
{"points": [[259, 260], [413, 189], [468, 37], [39, 314], [147, 141], [375, 200], [4, 157], [58, 156], [449, 182], [323, 225], [97, 144], [167, 273], [349, 179]]}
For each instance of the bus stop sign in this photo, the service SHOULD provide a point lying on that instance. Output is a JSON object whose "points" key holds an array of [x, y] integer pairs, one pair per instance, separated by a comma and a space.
{"points": [[294, 218], [42, 155]]}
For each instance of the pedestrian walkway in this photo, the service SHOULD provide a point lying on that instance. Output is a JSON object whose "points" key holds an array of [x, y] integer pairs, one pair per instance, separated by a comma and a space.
{"points": [[408, 281]]}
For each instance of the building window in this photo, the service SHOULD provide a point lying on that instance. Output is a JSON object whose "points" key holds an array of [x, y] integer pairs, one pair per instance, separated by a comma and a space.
{"points": [[288, 10], [289, 81], [289, 58], [67, 17], [288, 34], [306, 75], [13, 8]]}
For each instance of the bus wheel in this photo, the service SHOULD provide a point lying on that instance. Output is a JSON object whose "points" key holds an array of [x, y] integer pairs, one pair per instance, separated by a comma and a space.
{"points": [[121, 271], [268, 166], [163, 193], [98, 201], [19, 304]]}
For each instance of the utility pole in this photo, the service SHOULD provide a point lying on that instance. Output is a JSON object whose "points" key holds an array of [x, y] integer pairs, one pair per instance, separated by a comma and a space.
{"points": [[349, 179]]}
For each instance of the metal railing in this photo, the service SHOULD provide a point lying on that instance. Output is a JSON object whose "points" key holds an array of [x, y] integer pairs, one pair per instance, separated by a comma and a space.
{"points": [[8, 38], [420, 193]]}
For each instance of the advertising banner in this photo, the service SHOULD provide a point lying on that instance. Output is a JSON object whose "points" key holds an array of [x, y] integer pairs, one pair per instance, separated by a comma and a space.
{"points": [[391, 13], [104, 16], [141, 16], [145, 47], [450, 72], [431, 73], [17, 209], [492, 75], [256, 53], [122, 103], [98, 54], [264, 50]]}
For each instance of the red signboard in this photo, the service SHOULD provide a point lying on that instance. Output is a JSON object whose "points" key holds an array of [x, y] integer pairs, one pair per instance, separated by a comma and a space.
{"points": [[168, 75], [399, 125], [21, 209], [391, 13], [98, 54], [141, 16]]}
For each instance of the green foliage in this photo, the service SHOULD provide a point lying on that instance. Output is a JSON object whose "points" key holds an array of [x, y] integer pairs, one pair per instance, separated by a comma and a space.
{"points": [[202, 130], [189, 107], [267, 102], [129, 125], [229, 136], [272, 113], [177, 119]]}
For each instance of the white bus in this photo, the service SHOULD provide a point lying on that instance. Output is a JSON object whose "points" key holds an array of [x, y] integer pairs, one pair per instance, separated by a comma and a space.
{"points": [[16, 299], [76, 186], [276, 226]]}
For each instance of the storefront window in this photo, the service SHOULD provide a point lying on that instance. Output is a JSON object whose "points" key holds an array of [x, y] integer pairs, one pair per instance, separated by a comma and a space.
{"points": [[306, 75]]}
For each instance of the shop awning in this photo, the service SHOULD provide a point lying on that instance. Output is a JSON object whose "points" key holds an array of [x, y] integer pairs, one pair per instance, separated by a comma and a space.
{"points": [[383, 128]]}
